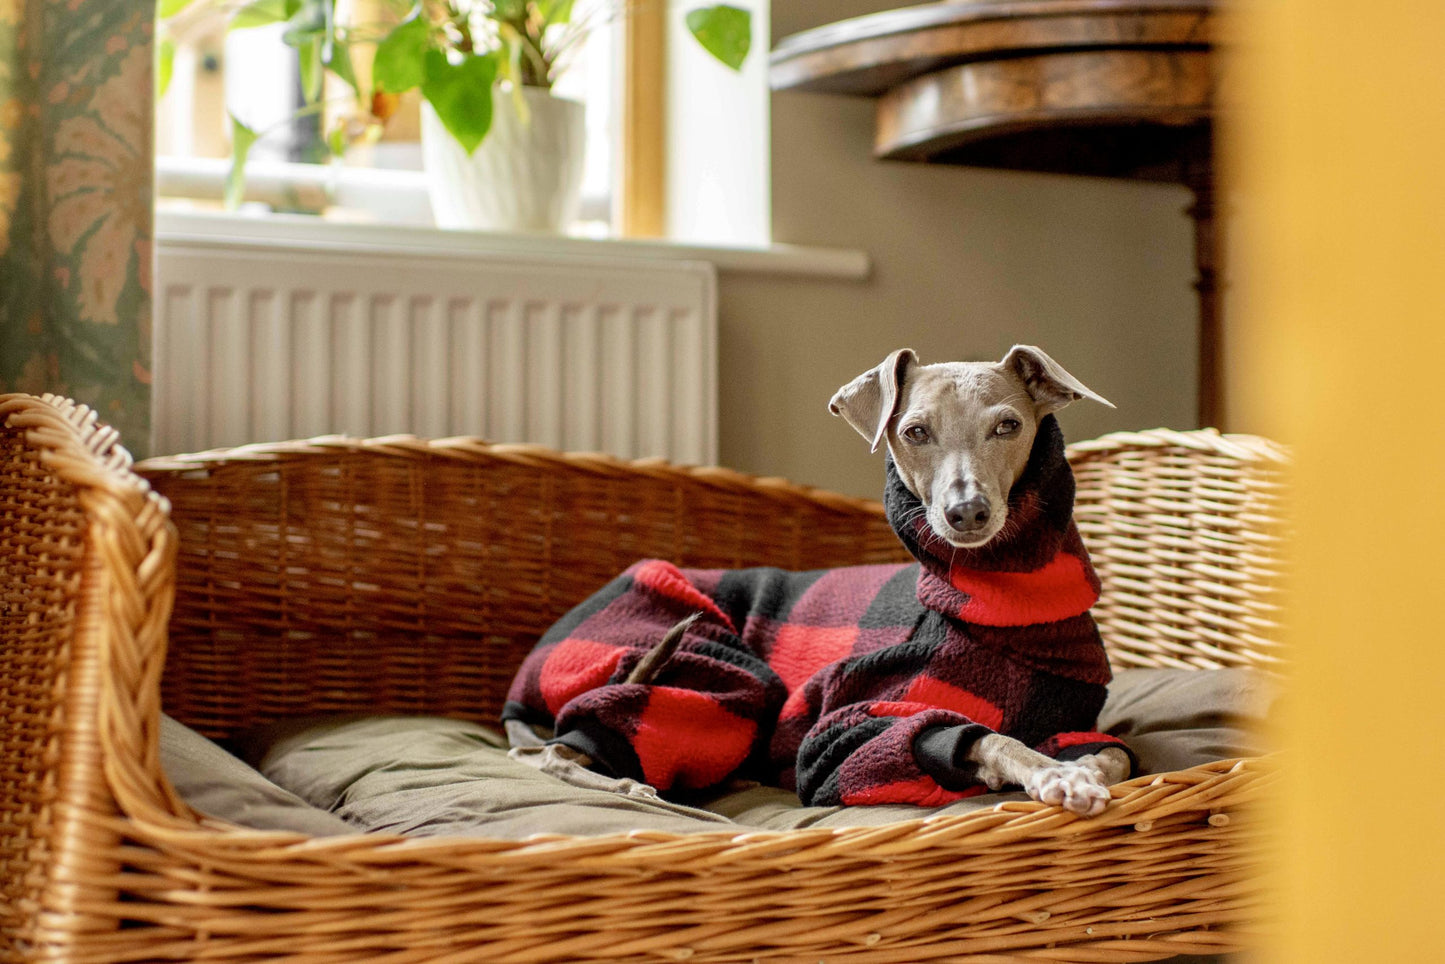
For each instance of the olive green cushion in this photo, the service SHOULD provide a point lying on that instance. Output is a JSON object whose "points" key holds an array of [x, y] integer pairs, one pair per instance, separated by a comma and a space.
{"points": [[219, 785], [429, 776]]}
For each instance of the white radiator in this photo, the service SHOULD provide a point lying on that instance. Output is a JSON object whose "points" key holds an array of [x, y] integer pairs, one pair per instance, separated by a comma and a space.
{"points": [[268, 339]]}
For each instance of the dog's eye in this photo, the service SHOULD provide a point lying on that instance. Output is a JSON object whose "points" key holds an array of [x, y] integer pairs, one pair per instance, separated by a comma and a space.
{"points": [[916, 434], [1007, 427]]}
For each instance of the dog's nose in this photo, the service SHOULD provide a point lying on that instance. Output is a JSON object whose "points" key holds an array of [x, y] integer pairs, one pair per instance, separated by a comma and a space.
{"points": [[968, 514]]}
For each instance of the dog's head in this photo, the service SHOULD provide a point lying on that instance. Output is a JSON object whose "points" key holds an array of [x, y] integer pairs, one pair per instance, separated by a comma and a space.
{"points": [[960, 432]]}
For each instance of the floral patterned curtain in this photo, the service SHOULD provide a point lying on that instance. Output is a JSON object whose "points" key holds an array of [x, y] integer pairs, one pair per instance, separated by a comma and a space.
{"points": [[76, 106]]}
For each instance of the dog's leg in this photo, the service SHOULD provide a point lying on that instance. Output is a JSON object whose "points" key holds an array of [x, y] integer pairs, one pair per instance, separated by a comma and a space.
{"points": [[526, 734], [1076, 786]]}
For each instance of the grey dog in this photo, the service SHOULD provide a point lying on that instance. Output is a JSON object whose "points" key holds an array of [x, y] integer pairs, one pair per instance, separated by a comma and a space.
{"points": [[960, 434]]}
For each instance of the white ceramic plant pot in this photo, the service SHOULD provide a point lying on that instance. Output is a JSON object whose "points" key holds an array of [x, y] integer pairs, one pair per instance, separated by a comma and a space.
{"points": [[526, 175]]}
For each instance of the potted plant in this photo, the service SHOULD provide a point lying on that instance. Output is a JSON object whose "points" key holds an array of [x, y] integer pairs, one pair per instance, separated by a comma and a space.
{"points": [[501, 151]]}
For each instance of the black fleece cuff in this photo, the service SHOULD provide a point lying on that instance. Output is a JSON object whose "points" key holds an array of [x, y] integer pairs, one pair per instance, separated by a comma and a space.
{"points": [[611, 755], [942, 753]]}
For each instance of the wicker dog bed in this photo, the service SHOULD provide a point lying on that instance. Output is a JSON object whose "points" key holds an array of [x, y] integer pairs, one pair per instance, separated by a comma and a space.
{"points": [[399, 575]]}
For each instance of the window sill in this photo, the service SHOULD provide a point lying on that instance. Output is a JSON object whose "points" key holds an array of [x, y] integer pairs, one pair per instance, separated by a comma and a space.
{"points": [[307, 232]]}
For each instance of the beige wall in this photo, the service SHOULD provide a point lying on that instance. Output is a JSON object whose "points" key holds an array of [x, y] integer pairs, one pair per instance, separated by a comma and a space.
{"points": [[966, 262]]}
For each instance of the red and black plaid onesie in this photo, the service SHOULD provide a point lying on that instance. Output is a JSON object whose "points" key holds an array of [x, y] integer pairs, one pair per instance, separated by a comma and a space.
{"points": [[859, 685]]}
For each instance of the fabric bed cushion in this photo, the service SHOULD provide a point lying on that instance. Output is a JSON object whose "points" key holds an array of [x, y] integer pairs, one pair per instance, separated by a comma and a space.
{"points": [[1174, 719], [428, 776], [432, 776], [219, 785]]}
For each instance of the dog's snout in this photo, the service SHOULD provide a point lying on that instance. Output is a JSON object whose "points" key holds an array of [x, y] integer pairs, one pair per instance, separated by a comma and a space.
{"points": [[967, 514]]}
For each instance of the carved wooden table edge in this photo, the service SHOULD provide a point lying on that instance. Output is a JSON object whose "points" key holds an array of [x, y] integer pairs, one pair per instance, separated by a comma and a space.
{"points": [[866, 55], [924, 118]]}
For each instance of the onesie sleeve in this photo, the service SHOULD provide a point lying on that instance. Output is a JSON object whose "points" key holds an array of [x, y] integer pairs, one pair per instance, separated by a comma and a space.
{"points": [[875, 753], [699, 720]]}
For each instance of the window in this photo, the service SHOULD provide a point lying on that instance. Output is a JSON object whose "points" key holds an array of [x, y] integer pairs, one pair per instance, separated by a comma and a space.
{"points": [[252, 74], [255, 76]]}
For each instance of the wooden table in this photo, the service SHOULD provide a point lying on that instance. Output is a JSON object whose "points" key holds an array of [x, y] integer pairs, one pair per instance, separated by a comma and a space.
{"points": [[1108, 88]]}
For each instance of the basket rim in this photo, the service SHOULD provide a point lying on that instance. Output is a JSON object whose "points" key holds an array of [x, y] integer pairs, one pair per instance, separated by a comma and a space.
{"points": [[475, 448], [470, 448], [106, 706], [83, 450], [1217, 787], [1241, 446]]}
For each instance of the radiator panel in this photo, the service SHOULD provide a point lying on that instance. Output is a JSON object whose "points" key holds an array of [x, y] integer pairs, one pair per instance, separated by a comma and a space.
{"points": [[262, 343]]}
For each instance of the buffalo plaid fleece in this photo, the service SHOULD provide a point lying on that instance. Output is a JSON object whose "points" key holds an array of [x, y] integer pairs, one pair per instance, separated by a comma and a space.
{"points": [[859, 685]]}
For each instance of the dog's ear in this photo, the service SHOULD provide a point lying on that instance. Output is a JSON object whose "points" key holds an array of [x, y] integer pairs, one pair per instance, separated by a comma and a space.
{"points": [[868, 402], [1046, 380]]}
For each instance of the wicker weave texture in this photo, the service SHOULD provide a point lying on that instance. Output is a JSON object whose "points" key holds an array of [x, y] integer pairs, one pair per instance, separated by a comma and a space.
{"points": [[403, 575], [40, 562], [87, 570], [1186, 531]]}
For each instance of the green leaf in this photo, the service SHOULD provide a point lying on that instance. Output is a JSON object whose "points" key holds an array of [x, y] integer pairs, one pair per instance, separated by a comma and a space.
{"points": [[259, 13], [340, 64], [336, 140], [724, 31], [461, 94], [242, 137], [509, 11], [312, 71], [165, 65], [555, 11], [169, 8], [400, 61]]}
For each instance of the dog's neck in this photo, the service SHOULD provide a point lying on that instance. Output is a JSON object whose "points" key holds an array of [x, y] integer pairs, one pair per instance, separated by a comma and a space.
{"points": [[1035, 571]]}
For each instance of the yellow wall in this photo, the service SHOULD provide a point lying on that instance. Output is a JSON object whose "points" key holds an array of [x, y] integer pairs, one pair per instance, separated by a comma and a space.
{"points": [[1340, 157]]}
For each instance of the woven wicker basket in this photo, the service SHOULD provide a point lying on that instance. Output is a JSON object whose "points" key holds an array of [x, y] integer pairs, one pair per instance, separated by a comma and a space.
{"points": [[411, 576]]}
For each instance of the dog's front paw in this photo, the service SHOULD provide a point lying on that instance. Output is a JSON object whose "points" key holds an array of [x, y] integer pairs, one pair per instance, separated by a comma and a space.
{"points": [[1078, 789]]}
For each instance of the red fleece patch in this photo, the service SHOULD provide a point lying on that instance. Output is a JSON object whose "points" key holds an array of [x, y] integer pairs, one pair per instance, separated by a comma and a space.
{"points": [[796, 704], [897, 708], [935, 692], [1062, 740], [665, 579], [573, 667], [800, 651], [1060, 589], [685, 739], [923, 792], [927, 693]]}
